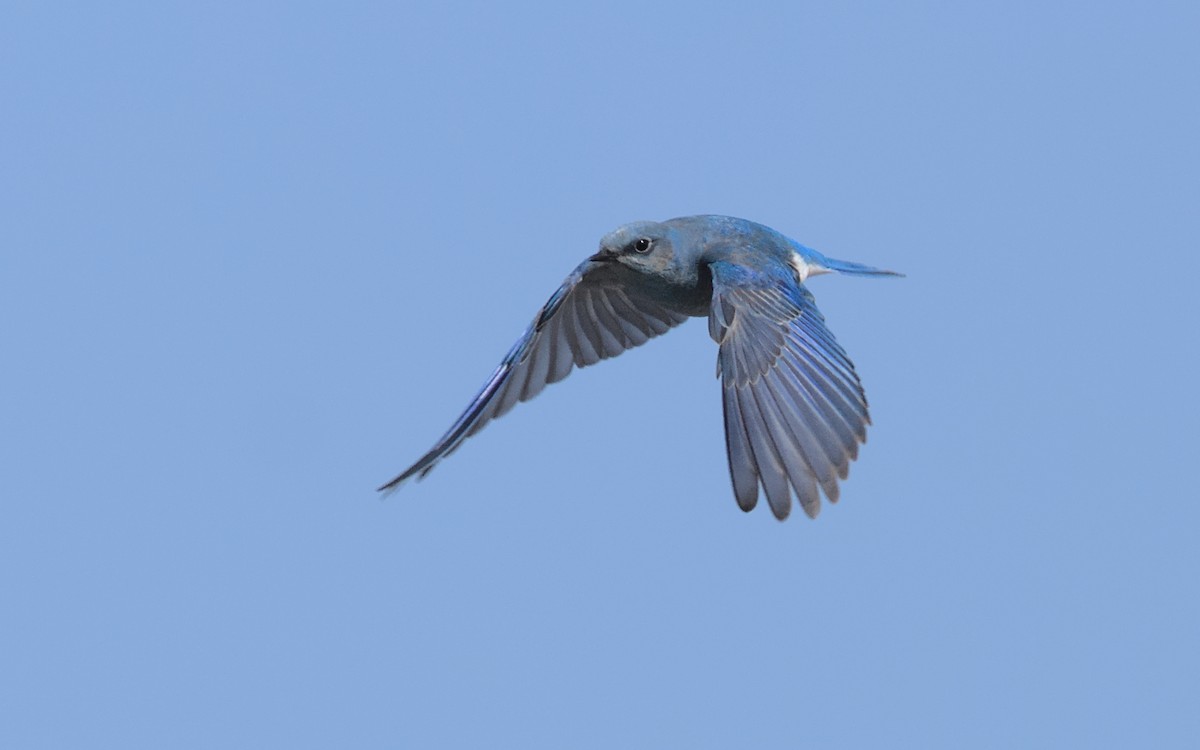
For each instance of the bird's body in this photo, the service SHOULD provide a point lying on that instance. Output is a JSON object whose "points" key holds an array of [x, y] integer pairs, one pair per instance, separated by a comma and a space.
{"points": [[795, 411]]}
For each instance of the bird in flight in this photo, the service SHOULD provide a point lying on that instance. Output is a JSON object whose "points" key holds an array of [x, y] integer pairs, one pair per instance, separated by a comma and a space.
{"points": [[795, 411]]}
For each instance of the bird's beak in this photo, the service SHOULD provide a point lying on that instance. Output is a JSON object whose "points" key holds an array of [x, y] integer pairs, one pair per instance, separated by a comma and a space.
{"points": [[604, 256]]}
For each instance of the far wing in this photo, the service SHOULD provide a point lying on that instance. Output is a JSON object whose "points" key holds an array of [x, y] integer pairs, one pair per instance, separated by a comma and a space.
{"points": [[795, 411], [591, 317]]}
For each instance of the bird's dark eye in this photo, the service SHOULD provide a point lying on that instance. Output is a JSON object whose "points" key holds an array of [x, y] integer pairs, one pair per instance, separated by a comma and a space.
{"points": [[642, 245]]}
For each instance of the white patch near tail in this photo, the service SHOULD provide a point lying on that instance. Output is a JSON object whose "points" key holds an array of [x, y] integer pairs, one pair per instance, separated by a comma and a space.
{"points": [[804, 269]]}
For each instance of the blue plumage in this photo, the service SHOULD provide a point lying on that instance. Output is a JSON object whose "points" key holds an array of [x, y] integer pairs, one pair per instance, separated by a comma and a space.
{"points": [[795, 411]]}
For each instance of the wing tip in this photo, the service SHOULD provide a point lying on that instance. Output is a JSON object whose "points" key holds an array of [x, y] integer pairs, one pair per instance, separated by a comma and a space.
{"points": [[386, 490], [781, 510], [417, 472]]}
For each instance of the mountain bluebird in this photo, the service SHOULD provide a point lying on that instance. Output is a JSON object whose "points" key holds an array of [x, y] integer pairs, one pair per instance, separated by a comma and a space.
{"points": [[795, 411]]}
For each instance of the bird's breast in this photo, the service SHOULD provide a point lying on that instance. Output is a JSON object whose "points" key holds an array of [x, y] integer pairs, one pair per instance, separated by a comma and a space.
{"points": [[691, 297]]}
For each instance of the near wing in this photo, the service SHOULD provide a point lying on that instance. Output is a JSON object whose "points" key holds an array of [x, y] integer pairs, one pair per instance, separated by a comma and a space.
{"points": [[795, 410], [590, 318]]}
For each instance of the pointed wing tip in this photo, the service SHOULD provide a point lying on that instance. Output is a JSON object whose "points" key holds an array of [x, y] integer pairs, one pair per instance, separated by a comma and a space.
{"points": [[781, 508], [746, 495], [833, 494], [386, 490]]}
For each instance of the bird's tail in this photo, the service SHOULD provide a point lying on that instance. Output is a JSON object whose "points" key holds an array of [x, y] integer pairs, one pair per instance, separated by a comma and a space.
{"points": [[856, 269]]}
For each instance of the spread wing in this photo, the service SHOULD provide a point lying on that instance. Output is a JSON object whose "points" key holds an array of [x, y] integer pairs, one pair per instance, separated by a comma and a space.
{"points": [[591, 317], [795, 410]]}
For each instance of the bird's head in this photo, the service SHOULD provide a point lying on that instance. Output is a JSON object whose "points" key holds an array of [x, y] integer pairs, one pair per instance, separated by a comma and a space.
{"points": [[643, 246]]}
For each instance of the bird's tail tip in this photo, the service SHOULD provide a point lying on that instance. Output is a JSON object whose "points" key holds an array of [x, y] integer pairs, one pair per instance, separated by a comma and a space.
{"points": [[858, 269]]}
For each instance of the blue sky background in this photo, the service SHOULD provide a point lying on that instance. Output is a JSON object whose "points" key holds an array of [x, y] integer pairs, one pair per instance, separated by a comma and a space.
{"points": [[257, 257]]}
